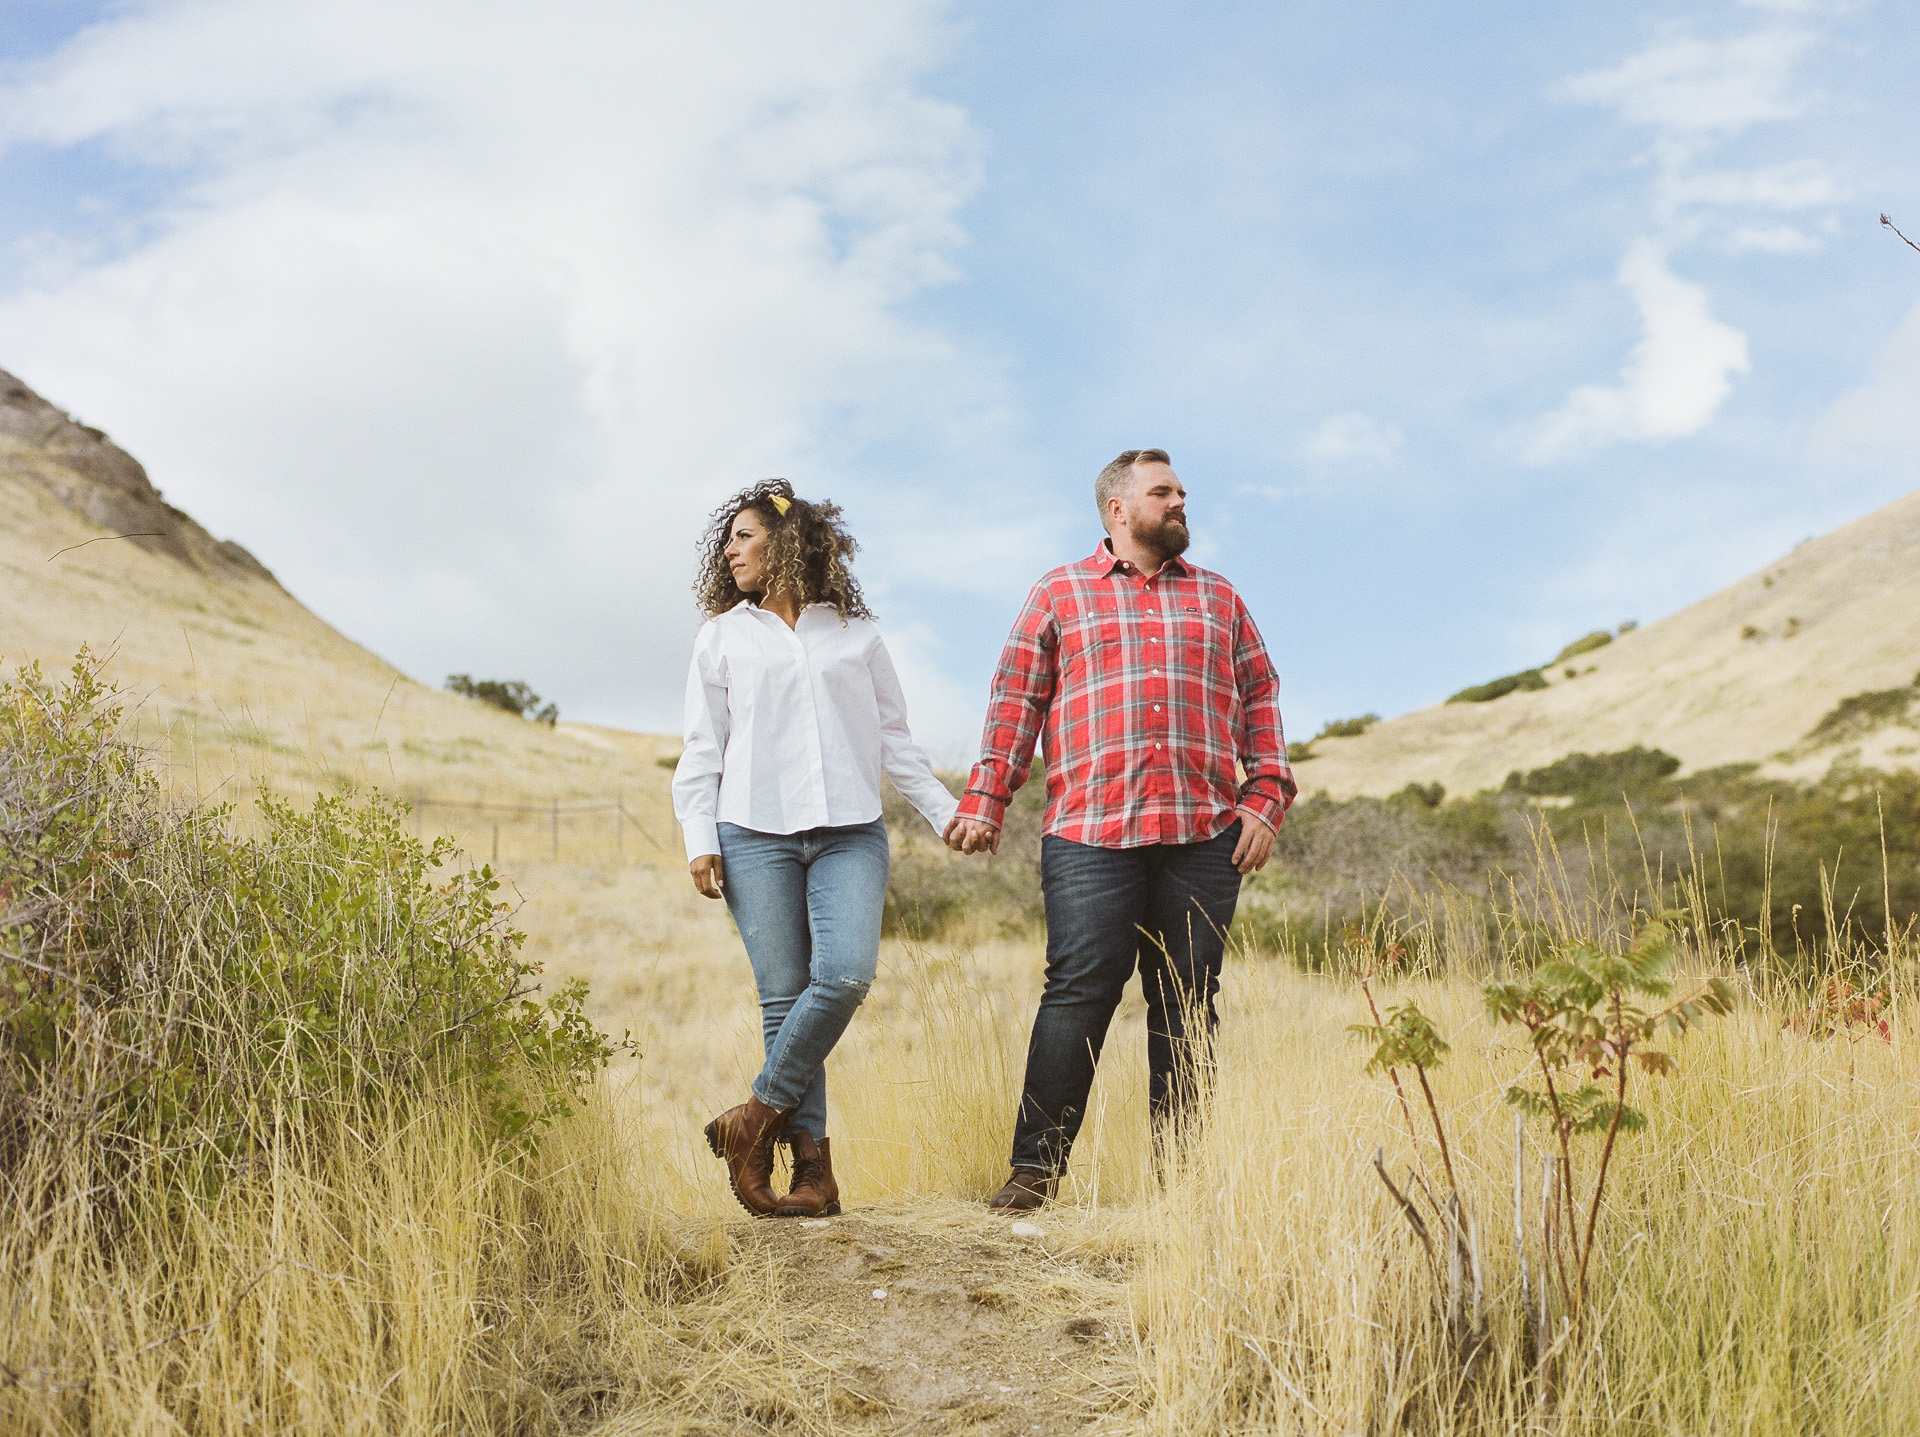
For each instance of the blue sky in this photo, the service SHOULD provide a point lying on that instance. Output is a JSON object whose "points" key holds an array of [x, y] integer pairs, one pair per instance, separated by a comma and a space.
{"points": [[1469, 330]]}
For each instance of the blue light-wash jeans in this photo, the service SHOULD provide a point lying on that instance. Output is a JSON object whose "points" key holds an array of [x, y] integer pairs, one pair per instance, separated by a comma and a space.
{"points": [[1166, 907], [808, 908]]}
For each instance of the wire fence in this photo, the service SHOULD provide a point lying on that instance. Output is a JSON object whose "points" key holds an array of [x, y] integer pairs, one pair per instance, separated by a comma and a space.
{"points": [[595, 831]]}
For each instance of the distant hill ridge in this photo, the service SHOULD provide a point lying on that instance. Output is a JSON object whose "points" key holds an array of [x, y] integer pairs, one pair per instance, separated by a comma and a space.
{"points": [[97, 479], [1795, 669], [1745, 676], [239, 687]]}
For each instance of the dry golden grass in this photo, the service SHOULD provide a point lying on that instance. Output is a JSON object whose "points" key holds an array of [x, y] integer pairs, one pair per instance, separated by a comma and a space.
{"points": [[1760, 1265], [1760, 1271]]}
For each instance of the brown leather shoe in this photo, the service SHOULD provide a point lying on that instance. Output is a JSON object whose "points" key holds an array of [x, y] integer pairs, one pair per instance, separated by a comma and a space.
{"points": [[1026, 1190], [814, 1193], [744, 1138]]}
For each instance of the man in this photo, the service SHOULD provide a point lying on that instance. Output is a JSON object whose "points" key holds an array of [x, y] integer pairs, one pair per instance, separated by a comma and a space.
{"points": [[1149, 681]]}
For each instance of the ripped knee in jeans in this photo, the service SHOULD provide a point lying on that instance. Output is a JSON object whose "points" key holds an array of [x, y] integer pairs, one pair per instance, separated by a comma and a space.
{"points": [[850, 992]]}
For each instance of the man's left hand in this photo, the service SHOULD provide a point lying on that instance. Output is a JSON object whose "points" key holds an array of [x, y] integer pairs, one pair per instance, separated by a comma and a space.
{"points": [[1255, 847]]}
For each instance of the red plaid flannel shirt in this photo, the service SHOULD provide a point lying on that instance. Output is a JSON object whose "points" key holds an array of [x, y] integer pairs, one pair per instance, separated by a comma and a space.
{"points": [[1148, 691]]}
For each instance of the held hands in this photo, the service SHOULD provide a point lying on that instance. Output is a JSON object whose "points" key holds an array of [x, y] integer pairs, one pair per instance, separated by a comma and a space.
{"points": [[1250, 854], [1255, 847], [970, 835], [707, 875]]}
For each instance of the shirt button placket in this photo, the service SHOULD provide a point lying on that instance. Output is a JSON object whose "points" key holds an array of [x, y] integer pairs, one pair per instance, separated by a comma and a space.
{"points": [[1161, 781]]}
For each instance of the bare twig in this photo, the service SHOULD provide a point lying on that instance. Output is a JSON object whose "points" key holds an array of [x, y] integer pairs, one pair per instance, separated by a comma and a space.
{"points": [[1606, 1154], [1412, 1213], [156, 534], [1896, 229], [1519, 1220]]}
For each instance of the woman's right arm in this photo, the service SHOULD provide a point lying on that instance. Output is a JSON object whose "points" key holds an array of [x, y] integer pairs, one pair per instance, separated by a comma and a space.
{"points": [[696, 778]]}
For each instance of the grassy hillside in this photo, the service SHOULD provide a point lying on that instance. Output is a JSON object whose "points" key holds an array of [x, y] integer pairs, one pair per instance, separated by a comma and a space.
{"points": [[1744, 676], [1755, 1269], [240, 687]]}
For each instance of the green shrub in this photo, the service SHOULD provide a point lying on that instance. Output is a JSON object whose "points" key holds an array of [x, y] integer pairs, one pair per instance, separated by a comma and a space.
{"points": [[1523, 682], [1585, 644], [1347, 728], [511, 695], [1598, 776], [1860, 714], [174, 996], [932, 890], [1796, 873], [1260, 928]]}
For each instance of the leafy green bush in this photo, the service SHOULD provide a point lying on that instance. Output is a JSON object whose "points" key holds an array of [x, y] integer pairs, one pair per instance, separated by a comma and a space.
{"points": [[1525, 681], [1347, 728], [1585, 644], [1596, 776], [1860, 714], [1804, 872], [174, 996], [509, 694]]}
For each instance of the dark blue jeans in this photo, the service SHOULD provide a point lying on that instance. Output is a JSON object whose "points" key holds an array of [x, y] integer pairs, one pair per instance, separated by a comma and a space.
{"points": [[1164, 907]]}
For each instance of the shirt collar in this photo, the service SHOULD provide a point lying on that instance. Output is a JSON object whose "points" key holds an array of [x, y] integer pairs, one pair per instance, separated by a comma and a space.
{"points": [[750, 603], [1105, 561]]}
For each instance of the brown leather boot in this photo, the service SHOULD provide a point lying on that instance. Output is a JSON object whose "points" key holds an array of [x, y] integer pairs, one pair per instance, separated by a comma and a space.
{"points": [[744, 1138], [814, 1192], [1026, 1190]]}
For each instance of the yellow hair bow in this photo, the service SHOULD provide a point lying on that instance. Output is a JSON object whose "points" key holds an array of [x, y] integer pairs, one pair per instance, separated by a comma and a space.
{"points": [[782, 504]]}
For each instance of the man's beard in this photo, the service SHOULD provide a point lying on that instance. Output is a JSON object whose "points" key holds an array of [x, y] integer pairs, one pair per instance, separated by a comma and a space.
{"points": [[1168, 538]]}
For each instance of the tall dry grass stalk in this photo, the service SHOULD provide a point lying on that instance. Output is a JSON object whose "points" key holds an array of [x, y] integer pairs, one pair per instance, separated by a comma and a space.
{"points": [[1760, 1271], [402, 1282], [1762, 1275]]}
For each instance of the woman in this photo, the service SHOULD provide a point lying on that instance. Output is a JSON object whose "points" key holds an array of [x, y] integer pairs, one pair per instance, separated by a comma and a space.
{"points": [[793, 712]]}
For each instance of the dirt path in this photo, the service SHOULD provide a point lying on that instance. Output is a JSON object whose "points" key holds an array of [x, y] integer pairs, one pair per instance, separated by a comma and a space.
{"points": [[938, 1318]]}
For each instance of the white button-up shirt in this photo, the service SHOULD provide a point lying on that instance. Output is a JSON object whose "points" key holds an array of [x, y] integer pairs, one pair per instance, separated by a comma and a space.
{"points": [[790, 729]]}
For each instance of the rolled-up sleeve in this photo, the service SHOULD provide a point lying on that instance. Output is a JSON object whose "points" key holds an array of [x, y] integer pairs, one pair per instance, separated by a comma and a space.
{"points": [[1022, 693], [696, 778]]}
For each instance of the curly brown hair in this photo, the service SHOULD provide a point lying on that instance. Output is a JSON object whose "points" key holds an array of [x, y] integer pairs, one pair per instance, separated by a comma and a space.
{"points": [[808, 550]]}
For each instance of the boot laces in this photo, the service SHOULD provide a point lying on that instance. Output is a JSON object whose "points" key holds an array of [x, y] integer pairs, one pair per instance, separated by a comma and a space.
{"points": [[809, 1172]]}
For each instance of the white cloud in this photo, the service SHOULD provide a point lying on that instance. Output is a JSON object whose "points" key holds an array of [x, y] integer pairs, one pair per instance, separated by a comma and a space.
{"points": [[1673, 381], [1771, 239], [461, 317], [1876, 428], [1352, 440], [1796, 186], [1696, 95], [1683, 85]]}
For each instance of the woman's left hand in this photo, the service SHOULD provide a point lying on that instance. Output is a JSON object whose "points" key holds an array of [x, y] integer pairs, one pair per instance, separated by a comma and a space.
{"points": [[707, 875]]}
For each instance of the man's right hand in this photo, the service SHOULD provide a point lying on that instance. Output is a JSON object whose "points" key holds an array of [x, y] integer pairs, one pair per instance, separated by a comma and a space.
{"points": [[707, 875], [971, 835]]}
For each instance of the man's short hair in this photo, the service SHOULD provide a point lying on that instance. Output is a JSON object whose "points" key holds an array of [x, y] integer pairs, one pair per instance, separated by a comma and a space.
{"points": [[1117, 477]]}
